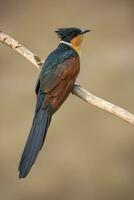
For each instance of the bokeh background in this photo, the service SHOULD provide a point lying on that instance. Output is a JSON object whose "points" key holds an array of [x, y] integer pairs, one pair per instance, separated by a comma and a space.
{"points": [[88, 153]]}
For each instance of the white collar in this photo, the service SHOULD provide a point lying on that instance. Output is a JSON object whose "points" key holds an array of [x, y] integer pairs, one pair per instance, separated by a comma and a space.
{"points": [[67, 43]]}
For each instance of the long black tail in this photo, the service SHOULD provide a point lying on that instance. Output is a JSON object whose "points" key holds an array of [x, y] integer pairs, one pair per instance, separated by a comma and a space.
{"points": [[35, 140]]}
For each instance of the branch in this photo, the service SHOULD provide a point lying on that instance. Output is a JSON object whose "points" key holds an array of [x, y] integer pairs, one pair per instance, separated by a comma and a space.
{"points": [[77, 90]]}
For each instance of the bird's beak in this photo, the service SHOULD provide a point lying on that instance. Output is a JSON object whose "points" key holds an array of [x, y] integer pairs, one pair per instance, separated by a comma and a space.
{"points": [[83, 31]]}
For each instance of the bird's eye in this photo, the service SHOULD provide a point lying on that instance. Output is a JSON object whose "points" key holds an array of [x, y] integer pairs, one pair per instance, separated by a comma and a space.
{"points": [[75, 33]]}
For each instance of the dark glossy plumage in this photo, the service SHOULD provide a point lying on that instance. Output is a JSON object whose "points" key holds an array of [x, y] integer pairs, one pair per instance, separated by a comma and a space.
{"points": [[54, 84], [67, 34]]}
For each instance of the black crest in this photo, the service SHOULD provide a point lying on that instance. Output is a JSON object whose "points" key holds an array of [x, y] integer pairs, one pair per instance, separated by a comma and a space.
{"points": [[67, 34]]}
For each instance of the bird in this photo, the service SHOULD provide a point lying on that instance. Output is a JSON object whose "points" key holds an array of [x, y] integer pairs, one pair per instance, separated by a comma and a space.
{"points": [[54, 84]]}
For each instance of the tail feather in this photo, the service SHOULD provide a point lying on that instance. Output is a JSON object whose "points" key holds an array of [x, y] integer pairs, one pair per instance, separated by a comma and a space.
{"points": [[48, 123], [34, 142]]}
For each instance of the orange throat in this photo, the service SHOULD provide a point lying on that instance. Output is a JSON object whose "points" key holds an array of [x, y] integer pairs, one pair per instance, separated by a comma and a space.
{"points": [[76, 43]]}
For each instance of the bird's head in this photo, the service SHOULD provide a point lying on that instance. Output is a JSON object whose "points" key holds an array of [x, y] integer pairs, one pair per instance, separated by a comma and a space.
{"points": [[72, 36]]}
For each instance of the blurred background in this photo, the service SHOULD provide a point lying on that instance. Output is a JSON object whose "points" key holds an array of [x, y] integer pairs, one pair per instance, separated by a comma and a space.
{"points": [[88, 153]]}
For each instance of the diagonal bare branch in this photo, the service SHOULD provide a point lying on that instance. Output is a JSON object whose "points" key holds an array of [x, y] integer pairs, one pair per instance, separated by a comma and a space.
{"points": [[77, 90]]}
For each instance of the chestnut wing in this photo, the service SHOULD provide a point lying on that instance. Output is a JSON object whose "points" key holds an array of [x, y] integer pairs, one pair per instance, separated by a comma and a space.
{"points": [[58, 83]]}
